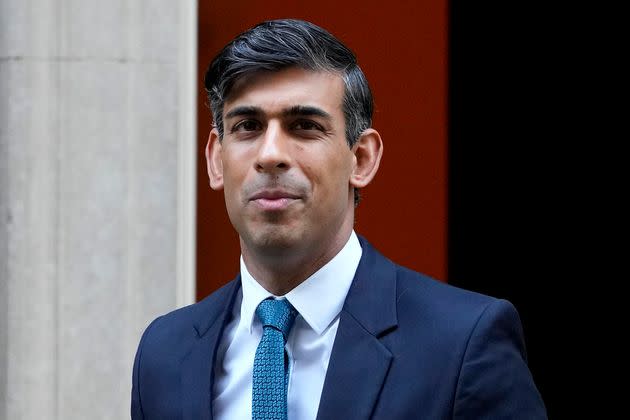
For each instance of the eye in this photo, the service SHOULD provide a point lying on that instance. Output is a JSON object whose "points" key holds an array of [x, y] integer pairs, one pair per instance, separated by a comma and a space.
{"points": [[307, 125], [246, 125]]}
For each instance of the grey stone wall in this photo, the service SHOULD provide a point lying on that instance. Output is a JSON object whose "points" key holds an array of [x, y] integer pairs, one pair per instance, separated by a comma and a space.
{"points": [[96, 207]]}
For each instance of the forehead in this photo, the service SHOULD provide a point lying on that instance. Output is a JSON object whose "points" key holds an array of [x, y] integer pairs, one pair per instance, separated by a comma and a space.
{"points": [[276, 91]]}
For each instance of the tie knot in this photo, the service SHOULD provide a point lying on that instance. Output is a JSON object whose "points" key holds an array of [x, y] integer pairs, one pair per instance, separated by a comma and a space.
{"points": [[277, 313]]}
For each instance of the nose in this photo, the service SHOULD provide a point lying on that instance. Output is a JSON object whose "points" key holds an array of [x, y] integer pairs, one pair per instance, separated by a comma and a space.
{"points": [[273, 153]]}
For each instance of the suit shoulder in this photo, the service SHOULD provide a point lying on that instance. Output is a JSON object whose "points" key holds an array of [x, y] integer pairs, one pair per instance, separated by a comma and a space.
{"points": [[419, 284], [418, 297], [426, 296]]}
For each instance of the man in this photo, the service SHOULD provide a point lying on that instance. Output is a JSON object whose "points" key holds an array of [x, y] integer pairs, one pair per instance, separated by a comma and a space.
{"points": [[362, 337]]}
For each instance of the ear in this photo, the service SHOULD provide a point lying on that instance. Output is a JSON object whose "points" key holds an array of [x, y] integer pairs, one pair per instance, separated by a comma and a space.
{"points": [[367, 153], [214, 160]]}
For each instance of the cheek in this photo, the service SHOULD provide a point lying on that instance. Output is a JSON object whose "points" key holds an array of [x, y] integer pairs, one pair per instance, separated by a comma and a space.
{"points": [[232, 185], [234, 170], [330, 175], [230, 201]]}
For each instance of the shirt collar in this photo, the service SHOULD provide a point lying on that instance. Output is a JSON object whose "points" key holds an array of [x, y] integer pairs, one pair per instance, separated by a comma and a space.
{"points": [[333, 281]]}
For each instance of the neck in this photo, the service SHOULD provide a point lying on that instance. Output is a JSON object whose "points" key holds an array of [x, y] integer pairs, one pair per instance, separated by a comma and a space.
{"points": [[281, 272]]}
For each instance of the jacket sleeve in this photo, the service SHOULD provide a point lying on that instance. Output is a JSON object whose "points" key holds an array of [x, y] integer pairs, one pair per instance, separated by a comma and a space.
{"points": [[495, 381]]}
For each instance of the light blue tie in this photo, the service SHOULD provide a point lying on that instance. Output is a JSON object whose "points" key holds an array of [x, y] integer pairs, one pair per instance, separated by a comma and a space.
{"points": [[271, 370]]}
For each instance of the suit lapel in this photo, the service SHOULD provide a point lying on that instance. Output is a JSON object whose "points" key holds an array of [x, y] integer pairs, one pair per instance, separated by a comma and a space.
{"points": [[358, 366], [359, 362], [197, 373]]}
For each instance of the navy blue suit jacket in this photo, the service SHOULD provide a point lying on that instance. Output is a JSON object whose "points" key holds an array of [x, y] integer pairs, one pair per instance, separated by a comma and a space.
{"points": [[407, 347]]}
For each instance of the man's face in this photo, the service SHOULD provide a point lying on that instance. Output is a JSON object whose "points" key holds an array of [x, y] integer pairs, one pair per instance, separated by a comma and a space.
{"points": [[284, 162]]}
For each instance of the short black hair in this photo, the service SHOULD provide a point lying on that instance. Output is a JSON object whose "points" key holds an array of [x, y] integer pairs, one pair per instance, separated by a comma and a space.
{"points": [[278, 44]]}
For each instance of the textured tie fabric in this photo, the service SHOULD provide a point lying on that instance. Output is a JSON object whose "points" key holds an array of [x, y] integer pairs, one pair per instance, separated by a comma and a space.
{"points": [[271, 373]]}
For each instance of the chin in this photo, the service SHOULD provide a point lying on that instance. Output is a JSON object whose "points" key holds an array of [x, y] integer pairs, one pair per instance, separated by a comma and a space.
{"points": [[278, 238], [275, 239]]}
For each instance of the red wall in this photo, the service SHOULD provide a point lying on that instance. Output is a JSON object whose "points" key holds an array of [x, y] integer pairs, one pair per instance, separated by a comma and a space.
{"points": [[402, 49]]}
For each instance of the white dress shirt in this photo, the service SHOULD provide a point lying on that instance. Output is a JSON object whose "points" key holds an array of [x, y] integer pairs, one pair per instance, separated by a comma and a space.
{"points": [[318, 300]]}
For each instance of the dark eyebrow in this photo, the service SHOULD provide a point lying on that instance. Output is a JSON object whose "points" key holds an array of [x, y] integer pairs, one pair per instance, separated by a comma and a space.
{"points": [[302, 110], [244, 110], [297, 110]]}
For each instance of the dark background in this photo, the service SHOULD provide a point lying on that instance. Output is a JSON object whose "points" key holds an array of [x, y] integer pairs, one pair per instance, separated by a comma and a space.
{"points": [[505, 223]]}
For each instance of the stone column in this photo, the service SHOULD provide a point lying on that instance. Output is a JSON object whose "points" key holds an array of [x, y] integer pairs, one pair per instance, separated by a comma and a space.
{"points": [[97, 181]]}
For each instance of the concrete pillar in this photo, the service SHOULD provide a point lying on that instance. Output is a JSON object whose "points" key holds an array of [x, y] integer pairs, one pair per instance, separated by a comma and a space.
{"points": [[97, 181]]}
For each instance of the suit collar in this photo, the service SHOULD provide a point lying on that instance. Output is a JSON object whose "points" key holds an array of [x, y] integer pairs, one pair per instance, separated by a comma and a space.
{"points": [[197, 372], [215, 308], [359, 361], [372, 296]]}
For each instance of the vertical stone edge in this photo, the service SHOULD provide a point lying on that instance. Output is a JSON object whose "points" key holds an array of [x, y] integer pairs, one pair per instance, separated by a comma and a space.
{"points": [[187, 154], [4, 234]]}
